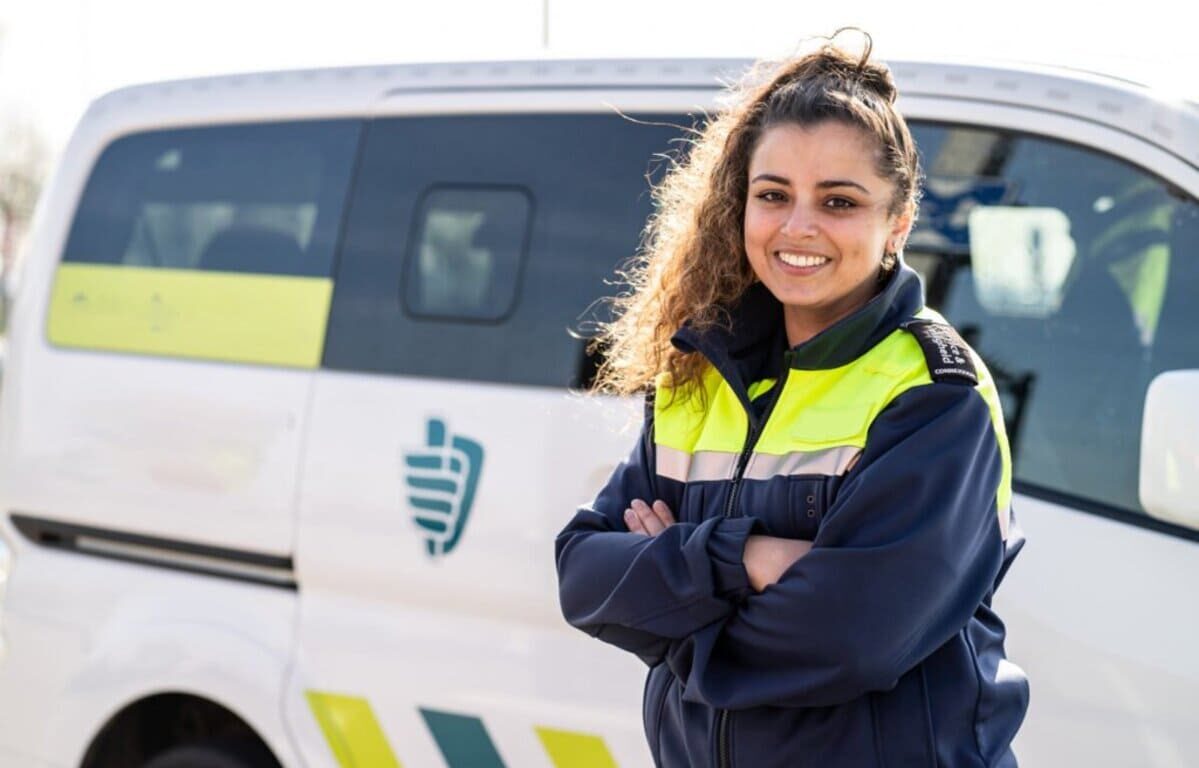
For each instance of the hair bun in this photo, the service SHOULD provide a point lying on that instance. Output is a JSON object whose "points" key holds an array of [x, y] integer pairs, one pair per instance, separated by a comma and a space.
{"points": [[877, 77], [834, 60]]}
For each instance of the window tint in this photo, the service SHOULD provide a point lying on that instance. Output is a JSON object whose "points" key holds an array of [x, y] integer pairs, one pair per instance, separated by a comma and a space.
{"points": [[213, 243], [1074, 275], [263, 198], [462, 194], [466, 255]]}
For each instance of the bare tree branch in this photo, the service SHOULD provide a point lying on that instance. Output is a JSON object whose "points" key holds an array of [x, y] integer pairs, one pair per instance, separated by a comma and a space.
{"points": [[24, 163]]}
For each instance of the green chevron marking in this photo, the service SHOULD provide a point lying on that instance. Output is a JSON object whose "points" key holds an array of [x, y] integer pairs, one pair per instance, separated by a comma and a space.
{"points": [[462, 739]]}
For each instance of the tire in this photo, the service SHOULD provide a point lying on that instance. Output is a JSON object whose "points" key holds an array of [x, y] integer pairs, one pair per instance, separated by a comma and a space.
{"points": [[239, 754]]}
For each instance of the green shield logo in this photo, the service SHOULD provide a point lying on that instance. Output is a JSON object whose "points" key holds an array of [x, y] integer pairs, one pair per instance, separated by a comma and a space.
{"points": [[442, 478]]}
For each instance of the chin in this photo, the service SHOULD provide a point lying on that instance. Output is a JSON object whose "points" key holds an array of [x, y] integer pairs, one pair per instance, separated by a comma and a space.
{"points": [[801, 299]]}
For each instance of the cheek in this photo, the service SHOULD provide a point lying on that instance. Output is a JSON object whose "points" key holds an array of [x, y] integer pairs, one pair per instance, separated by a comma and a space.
{"points": [[759, 227], [854, 238]]}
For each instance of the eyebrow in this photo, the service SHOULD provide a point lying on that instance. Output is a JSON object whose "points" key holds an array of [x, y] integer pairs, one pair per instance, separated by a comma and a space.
{"points": [[826, 184]]}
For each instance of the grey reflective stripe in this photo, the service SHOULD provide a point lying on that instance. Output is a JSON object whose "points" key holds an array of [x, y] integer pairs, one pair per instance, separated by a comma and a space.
{"points": [[671, 462], [831, 461], [712, 465], [720, 465], [1005, 521], [694, 467]]}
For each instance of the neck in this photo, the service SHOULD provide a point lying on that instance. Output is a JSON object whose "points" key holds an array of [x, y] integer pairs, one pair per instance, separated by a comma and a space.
{"points": [[803, 323]]}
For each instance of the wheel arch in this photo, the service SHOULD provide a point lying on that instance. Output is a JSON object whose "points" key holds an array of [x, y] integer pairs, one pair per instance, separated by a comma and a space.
{"points": [[155, 722]]}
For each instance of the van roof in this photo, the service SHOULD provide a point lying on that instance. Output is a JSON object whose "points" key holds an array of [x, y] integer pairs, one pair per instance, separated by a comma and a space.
{"points": [[1129, 105]]}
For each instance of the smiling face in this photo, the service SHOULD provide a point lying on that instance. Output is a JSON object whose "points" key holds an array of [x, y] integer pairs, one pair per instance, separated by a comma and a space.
{"points": [[817, 222]]}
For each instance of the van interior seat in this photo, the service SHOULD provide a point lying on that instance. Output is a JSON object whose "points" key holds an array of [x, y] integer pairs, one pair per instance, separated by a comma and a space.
{"points": [[1092, 387], [242, 248]]}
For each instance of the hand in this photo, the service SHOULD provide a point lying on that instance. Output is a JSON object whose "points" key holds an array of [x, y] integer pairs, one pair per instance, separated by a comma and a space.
{"points": [[767, 558], [649, 521]]}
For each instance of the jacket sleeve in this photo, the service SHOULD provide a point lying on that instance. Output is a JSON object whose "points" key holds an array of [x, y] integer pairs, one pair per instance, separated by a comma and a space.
{"points": [[639, 592], [907, 551]]}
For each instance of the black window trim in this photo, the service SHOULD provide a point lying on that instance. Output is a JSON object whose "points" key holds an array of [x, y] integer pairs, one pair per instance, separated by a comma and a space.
{"points": [[1172, 188], [184, 555], [1038, 110], [1106, 511]]}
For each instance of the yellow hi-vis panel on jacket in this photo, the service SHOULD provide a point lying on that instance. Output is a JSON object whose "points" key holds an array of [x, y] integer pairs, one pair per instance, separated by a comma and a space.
{"points": [[818, 426]]}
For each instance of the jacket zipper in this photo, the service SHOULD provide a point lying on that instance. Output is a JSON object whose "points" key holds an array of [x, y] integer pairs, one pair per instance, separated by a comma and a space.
{"points": [[755, 431], [724, 757]]}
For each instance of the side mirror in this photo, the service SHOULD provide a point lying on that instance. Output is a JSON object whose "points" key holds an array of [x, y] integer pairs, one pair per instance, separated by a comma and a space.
{"points": [[1169, 483]]}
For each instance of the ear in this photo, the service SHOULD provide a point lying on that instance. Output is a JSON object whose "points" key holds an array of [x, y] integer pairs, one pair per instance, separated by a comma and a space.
{"points": [[901, 227]]}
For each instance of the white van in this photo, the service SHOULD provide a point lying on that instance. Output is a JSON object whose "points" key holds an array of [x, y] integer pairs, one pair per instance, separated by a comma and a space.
{"points": [[290, 415]]}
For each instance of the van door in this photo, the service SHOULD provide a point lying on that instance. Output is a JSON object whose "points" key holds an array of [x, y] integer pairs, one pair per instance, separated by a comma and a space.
{"points": [[162, 386], [446, 450], [1068, 256]]}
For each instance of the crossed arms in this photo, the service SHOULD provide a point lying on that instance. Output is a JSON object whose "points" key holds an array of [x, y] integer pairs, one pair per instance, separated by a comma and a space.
{"points": [[905, 554]]}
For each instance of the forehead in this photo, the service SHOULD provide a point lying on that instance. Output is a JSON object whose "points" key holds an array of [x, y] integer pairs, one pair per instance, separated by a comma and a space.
{"points": [[823, 150]]}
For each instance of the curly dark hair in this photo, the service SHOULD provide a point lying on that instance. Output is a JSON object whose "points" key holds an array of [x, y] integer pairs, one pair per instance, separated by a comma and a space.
{"points": [[692, 264]]}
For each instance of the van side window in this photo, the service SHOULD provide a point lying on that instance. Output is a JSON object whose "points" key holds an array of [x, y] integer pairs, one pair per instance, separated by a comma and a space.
{"points": [[512, 223], [214, 243], [1074, 275], [262, 198], [467, 251]]}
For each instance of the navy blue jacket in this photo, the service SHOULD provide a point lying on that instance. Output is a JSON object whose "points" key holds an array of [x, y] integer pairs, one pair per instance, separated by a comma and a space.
{"points": [[877, 648]]}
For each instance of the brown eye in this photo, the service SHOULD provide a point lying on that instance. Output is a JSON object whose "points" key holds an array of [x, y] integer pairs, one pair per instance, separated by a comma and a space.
{"points": [[839, 203]]}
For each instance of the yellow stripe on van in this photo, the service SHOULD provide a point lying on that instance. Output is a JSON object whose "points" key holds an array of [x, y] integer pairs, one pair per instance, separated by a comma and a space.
{"points": [[575, 750], [233, 316], [352, 731]]}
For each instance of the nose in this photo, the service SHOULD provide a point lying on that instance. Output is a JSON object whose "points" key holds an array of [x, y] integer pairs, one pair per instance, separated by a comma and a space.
{"points": [[800, 223]]}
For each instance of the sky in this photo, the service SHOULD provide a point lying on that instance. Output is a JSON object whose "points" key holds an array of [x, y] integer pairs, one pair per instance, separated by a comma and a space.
{"points": [[58, 55]]}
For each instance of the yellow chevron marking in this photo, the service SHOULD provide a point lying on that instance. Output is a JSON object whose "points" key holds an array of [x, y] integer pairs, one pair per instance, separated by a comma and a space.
{"points": [[352, 731], [575, 750]]}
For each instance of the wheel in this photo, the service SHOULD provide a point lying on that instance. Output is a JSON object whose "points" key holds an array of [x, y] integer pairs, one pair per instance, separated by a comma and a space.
{"points": [[234, 754]]}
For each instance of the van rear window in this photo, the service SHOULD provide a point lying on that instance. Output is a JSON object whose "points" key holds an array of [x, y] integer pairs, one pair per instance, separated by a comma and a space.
{"points": [[214, 242], [262, 198]]}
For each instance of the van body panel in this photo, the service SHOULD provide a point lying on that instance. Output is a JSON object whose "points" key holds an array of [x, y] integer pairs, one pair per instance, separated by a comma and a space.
{"points": [[480, 624], [85, 637], [133, 444], [1125, 105], [1079, 606]]}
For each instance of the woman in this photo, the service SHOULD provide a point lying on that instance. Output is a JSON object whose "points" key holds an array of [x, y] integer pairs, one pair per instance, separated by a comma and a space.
{"points": [[804, 544]]}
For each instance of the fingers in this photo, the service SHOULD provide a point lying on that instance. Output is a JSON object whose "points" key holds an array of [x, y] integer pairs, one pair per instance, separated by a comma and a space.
{"points": [[649, 519], [663, 513], [634, 522], [642, 518]]}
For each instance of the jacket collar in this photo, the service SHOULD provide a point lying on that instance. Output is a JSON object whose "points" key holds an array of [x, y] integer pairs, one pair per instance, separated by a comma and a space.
{"points": [[751, 348]]}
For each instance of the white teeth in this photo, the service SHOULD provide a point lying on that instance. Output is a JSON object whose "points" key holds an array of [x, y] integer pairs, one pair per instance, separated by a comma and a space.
{"points": [[797, 260]]}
